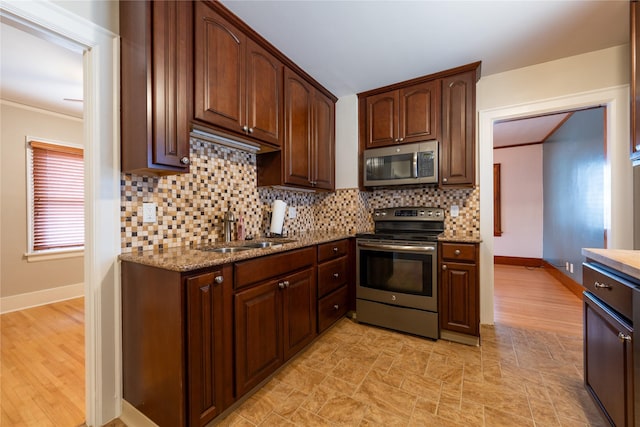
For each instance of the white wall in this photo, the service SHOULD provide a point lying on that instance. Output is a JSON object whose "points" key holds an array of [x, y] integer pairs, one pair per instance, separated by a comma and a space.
{"points": [[522, 201], [347, 142]]}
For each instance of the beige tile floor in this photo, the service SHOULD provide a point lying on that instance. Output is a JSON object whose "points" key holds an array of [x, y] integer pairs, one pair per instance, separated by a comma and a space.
{"points": [[357, 375]]}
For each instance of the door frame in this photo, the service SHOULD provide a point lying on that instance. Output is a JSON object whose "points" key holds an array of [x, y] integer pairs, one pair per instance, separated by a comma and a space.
{"points": [[103, 376], [618, 220]]}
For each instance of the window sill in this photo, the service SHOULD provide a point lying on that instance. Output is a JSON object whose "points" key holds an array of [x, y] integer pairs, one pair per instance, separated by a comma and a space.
{"points": [[54, 254]]}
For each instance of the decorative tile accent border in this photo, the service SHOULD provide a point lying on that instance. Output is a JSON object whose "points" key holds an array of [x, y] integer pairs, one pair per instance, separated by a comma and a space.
{"points": [[191, 206]]}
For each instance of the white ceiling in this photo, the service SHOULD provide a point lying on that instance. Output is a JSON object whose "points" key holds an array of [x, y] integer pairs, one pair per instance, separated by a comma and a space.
{"points": [[354, 46], [531, 130], [39, 73]]}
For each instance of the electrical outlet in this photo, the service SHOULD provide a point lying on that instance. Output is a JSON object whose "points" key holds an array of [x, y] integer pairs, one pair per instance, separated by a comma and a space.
{"points": [[292, 212], [455, 211], [149, 212], [571, 268], [566, 265]]}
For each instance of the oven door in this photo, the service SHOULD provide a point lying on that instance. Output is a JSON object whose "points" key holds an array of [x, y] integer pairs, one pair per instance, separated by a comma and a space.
{"points": [[397, 273]]}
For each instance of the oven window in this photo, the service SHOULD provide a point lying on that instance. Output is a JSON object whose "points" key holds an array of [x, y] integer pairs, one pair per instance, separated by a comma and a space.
{"points": [[396, 272]]}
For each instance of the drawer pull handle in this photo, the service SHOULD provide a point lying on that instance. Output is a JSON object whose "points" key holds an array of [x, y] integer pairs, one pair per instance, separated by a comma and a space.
{"points": [[219, 279], [624, 337], [336, 275], [336, 307], [599, 285], [335, 249], [456, 252]]}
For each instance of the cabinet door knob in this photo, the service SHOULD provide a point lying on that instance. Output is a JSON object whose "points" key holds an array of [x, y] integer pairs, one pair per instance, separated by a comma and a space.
{"points": [[335, 249], [245, 128], [184, 160], [336, 275], [250, 130], [281, 285], [401, 139], [336, 307], [219, 279], [444, 179], [444, 267], [457, 252], [286, 283], [624, 337]]}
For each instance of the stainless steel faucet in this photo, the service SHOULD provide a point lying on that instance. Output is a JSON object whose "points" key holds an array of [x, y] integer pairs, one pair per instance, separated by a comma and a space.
{"points": [[229, 219]]}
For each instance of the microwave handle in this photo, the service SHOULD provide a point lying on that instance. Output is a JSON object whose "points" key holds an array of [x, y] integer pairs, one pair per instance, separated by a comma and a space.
{"points": [[415, 164]]}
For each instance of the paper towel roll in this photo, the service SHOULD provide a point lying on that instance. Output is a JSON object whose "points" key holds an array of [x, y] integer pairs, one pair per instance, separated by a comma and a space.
{"points": [[278, 208]]}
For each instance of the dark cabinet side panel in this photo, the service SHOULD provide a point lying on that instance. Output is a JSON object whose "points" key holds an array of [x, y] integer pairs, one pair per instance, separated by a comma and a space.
{"points": [[324, 142]]}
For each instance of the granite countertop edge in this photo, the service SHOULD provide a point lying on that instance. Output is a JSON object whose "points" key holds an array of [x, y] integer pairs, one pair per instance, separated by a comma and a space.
{"points": [[184, 259], [626, 261], [445, 237]]}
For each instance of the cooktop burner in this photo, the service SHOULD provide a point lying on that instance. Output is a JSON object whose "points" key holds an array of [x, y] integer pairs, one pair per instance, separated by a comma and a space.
{"points": [[407, 223]]}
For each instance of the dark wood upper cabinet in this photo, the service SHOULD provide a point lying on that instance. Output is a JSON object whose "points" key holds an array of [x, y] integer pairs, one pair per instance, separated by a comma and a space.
{"points": [[404, 115], [156, 86], [635, 79], [238, 83], [457, 144], [307, 158], [439, 106]]}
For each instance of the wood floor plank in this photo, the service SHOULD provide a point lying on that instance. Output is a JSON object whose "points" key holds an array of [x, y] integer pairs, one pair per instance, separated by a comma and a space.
{"points": [[531, 298], [42, 365]]}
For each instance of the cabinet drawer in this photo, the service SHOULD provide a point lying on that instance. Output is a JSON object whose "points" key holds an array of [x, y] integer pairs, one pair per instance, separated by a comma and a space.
{"points": [[331, 308], [256, 270], [331, 250], [614, 291], [332, 275], [459, 252]]}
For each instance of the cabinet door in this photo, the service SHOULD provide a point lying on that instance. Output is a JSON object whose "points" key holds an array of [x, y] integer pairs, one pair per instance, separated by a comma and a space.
{"points": [[382, 119], [635, 80], [608, 355], [220, 75], [323, 142], [457, 145], [299, 309], [419, 117], [459, 298], [297, 115], [156, 86], [264, 95], [205, 351], [258, 334]]}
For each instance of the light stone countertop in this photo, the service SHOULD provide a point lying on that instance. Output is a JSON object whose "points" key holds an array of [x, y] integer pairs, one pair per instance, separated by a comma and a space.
{"points": [[185, 259], [459, 238], [623, 260]]}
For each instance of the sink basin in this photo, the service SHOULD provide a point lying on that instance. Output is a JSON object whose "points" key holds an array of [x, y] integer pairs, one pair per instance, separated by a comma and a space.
{"points": [[226, 250], [267, 244]]}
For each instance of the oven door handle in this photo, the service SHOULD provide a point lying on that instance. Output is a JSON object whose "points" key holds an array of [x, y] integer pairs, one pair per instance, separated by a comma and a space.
{"points": [[405, 248]]}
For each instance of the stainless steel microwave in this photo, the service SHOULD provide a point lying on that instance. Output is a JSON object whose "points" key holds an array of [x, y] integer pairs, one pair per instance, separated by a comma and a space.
{"points": [[401, 164]]}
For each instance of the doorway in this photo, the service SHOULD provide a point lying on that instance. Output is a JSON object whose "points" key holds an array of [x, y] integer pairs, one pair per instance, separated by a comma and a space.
{"points": [[102, 193]]}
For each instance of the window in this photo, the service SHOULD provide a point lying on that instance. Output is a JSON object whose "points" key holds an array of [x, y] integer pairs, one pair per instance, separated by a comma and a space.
{"points": [[56, 196]]}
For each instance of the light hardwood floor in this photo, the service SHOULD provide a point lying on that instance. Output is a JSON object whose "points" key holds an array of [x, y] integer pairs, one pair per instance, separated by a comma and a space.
{"points": [[42, 371], [42, 365]]}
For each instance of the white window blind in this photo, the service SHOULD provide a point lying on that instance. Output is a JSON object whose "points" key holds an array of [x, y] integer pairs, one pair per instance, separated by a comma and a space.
{"points": [[57, 195]]}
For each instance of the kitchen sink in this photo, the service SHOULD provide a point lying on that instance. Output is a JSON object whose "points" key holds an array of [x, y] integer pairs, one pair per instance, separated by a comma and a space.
{"points": [[248, 246], [267, 244], [226, 250]]}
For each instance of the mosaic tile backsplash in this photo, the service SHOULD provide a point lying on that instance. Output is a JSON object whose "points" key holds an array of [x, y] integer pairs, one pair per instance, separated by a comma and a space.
{"points": [[190, 207]]}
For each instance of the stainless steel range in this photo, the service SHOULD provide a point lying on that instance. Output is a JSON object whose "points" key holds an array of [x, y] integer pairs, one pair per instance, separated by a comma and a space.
{"points": [[396, 276]]}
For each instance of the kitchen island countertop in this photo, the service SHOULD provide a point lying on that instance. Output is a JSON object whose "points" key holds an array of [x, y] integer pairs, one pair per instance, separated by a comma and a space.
{"points": [[623, 260], [184, 259]]}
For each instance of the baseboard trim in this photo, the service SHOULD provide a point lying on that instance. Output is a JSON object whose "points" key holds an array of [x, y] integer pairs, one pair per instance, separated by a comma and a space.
{"points": [[134, 418], [43, 297], [521, 261], [575, 287]]}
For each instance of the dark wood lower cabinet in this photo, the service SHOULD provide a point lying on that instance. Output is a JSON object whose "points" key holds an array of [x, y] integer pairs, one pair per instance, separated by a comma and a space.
{"points": [[176, 343], [274, 318], [608, 360], [459, 289]]}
